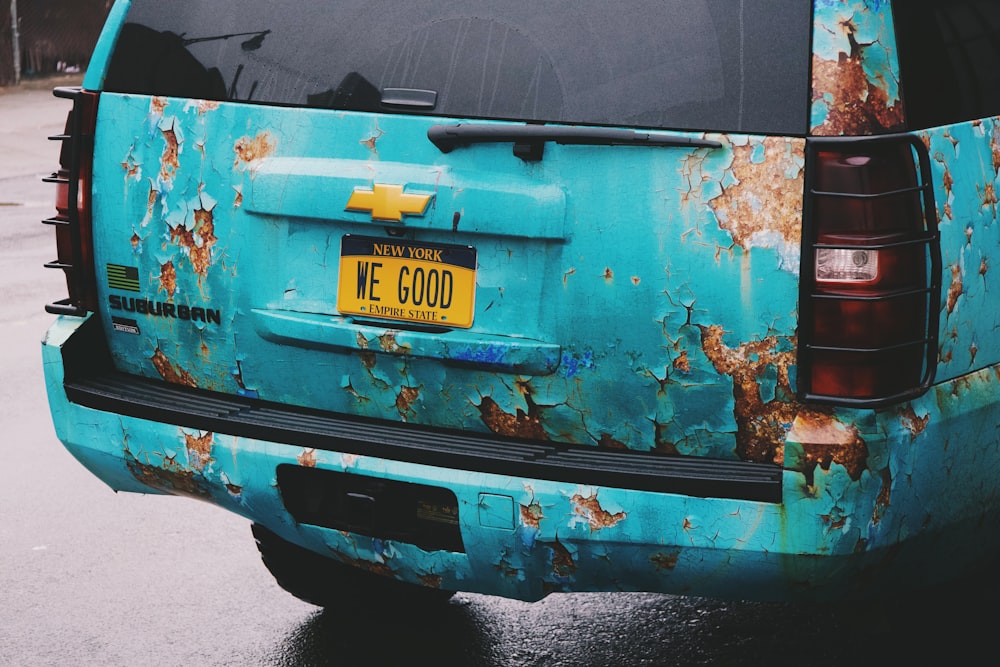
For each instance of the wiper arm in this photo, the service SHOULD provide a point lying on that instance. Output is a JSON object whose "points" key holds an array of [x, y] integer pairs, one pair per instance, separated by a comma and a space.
{"points": [[529, 140]]}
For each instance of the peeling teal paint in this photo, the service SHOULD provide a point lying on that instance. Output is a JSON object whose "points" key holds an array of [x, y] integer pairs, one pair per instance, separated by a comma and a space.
{"points": [[854, 39], [577, 538], [284, 265], [965, 160], [663, 318]]}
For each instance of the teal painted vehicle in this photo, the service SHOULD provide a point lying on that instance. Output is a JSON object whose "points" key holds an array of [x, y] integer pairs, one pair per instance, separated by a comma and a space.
{"points": [[492, 297]]}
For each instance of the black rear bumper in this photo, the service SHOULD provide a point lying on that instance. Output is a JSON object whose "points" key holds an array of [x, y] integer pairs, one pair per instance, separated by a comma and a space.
{"points": [[92, 383]]}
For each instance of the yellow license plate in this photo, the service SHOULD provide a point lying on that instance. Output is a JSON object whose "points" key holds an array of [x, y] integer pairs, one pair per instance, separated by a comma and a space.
{"points": [[429, 283]]}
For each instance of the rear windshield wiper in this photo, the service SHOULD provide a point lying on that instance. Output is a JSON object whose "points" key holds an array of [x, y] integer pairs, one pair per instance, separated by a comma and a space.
{"points": [[529, 140]]}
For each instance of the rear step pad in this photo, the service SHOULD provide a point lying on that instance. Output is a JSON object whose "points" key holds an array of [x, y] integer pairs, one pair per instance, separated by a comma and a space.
{"points": [[245, 417]]}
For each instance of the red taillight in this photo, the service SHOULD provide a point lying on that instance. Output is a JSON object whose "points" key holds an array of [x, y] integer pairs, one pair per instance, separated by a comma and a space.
{"points": [[74, 243], [870, 272]]}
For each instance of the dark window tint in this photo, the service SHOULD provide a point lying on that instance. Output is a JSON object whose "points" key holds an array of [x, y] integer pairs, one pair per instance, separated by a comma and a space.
{"points": [[691, 64], [949, 53]]}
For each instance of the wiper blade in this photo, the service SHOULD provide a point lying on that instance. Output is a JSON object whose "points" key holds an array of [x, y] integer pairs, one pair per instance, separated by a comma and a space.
{"points": [[529, 140]]}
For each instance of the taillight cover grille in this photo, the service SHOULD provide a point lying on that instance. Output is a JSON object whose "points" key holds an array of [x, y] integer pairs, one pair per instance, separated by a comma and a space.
{"points": [[871, 272], [72, 222]]}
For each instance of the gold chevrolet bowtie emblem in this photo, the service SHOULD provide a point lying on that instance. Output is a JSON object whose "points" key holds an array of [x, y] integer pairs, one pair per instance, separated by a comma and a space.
{"points": [[387, 202]]}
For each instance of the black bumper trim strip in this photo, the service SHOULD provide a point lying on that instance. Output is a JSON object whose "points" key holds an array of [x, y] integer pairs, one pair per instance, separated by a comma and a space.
{"points": [[245, 417]]}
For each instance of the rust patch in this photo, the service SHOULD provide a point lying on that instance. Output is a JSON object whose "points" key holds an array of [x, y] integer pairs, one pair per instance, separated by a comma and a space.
{"points": [[131, 167], [596, 516], [609, 275], [248, 149], [995, 146], [682, 363], [988, 198], [760, 426], [834, 520], [387, 343], [914, 424], [370, 141], [168, 278], [505, 568], [171, 478], [519, 425], [169, 161], [858, 106], [199, 449], [826, 440], [663, 444], [307, 458], [430, 580], [563, 564], [692, 173], [237, 198], [367, 359], [135, 240], [157, 105], [662, 561], [567, 274], [204, 106], [764, 199], [955, 288], [531, 515], [405, 399], [882, 500], [169, 373], [763, 426], [349, 388], [151, 199], [198, 241]]}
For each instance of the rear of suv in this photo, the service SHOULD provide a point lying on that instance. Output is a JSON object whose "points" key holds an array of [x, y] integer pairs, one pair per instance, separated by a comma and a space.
{"points": [[509, 298]]}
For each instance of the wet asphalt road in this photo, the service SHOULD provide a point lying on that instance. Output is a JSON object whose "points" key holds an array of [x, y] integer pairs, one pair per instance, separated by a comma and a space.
{"points": [[90, 577]]}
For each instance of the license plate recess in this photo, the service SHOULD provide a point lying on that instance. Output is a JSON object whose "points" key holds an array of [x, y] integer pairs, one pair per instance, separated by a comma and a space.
{"points": [[408, 281]]}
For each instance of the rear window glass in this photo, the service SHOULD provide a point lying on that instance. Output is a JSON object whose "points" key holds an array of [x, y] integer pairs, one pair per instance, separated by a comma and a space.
{"points": [[948, 50], [685, 64]]}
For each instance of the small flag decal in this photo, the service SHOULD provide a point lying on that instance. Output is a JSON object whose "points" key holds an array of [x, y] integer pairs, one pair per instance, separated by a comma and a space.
{"points": [[123, 277]]}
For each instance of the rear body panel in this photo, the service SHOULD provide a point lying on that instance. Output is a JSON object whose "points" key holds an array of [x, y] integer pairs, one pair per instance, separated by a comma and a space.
{"points": [[628, 300], [568, 315]]}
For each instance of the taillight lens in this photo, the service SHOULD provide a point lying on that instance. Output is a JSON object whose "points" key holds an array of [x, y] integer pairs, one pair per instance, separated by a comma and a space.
{"points": [[871, 272], [72, 222]]}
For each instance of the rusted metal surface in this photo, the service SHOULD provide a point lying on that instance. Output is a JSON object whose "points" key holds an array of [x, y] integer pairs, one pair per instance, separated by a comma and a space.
{"points": [[964, 159], [739, 203], [855, 71], [652, 294], [698, 368]]}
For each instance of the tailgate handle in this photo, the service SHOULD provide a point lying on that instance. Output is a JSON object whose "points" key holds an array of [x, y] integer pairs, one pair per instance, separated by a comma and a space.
{"points": [[491, 352]]}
